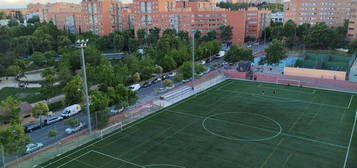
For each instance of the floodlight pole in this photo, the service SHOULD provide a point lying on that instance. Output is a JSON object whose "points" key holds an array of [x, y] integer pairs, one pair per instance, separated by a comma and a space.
{"points": [[83, 44], [193, 58]]}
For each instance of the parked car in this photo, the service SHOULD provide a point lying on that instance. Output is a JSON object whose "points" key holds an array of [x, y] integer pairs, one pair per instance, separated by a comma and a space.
{"points": [[186, 80], [33, 147], [51, 120], [71, 110], [134, 87], [156, 80], [115, 110], [172, 74], [163, 77], [220, 54], [74, 129], [146, 84], [32, 127]]}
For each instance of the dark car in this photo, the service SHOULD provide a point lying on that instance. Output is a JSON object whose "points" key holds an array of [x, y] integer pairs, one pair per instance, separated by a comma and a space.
{"points": [[156, 80], [146, 84], [163, 77], [32, 127]]}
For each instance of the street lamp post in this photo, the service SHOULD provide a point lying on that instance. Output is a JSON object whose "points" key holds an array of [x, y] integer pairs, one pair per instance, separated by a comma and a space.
{"points": [[193, 58], [83, 44]]}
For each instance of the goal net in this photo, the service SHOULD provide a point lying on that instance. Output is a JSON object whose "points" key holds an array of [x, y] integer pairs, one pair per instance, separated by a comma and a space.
{"points": [[290, 82], [110, 129]]}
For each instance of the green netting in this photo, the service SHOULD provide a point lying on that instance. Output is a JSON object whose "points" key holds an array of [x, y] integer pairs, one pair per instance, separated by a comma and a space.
{"points": [[311, 56], [339, 66], [340, 59], [307, 63]]}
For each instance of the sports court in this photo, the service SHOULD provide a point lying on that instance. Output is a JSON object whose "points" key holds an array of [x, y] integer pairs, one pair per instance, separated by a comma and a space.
{"points": [[234, 124]]}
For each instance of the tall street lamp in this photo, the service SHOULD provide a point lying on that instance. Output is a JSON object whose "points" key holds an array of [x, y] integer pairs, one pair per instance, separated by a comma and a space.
{"points": [[83, 44], [193, 58]]}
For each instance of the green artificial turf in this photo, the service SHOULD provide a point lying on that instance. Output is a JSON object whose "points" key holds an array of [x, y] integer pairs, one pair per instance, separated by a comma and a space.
{"points": [[232, 125]]}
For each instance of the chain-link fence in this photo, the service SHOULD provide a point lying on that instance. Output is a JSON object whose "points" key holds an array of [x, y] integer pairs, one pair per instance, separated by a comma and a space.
{"points": [[116, 123]]}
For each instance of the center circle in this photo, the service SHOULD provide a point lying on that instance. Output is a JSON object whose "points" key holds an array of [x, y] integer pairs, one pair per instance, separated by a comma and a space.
{"points": [[164, 165], [242, 126]]}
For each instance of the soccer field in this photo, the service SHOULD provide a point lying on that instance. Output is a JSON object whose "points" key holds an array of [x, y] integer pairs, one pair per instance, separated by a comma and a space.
{"points": [[232, 125]]}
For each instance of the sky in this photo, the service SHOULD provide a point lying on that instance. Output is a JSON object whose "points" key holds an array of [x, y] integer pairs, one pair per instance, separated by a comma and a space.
{"points": [[4, 4]]}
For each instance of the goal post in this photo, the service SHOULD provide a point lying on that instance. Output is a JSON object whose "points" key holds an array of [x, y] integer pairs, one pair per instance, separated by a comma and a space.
{"points": [[288, 82], [110, 129]]}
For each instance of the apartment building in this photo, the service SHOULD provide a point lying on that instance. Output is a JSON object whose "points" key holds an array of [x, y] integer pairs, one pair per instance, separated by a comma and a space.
{"points": [[352, 25], [104, 16], [256, 22], [188, 16], [332, 12], [66, 16]]}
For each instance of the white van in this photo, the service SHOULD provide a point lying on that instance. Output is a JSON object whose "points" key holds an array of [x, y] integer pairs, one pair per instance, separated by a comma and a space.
{"points": [[134, 87], [71, 110], [221, 54]]}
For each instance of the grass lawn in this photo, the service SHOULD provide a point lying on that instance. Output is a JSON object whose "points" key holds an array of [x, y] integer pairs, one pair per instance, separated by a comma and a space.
{"points": [[232, 125], [30, 95]]}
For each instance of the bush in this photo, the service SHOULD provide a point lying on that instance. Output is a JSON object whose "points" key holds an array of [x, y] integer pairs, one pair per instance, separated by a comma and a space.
{"points": [[56, 106], [52, 133], [178, 78], [72, 122], [168, 83]]}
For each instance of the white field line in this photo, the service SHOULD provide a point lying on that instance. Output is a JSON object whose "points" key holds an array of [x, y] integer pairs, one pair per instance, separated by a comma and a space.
{"points": [[349, 144], [266, 130], [115, 158], [349, 104], [136, 123], [314, 140], [284, 98], [73, 159], [107, 137]]}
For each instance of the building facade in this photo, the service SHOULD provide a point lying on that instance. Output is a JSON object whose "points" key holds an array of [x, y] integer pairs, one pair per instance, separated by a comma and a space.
{"points": [[102, 16], [66, 16], [188, 16], [256, 22], [332, 12]]}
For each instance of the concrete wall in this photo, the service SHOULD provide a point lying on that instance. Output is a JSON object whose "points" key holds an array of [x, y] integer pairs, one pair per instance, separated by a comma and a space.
{"points": [[315, 73]]}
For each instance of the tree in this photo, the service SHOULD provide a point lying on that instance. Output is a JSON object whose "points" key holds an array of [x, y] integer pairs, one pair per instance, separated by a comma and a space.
{"points": [[183, 35], [39, 110], [226, 33], [154, 35], [34, 19], [319, 36], [10, 111], [38, 58], [2, 15], [210, 36], [72, 122], [275, 52], [141, 35], [64, 72], [171, 32], [48, 84], [168, 63], [52, 133], [13, 22], [352, 46], [99, 105], [14, 139], [236, 54], [73, 91], [136, 77], [133, 45], [168, 83], [13, 70], [120, 95], [186, 69]]}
